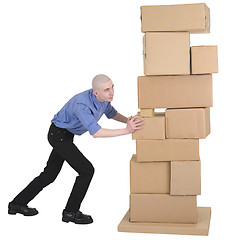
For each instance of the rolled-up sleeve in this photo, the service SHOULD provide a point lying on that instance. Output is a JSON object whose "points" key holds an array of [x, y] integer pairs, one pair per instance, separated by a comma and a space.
{"points": [[110, 112], [83, 113]]}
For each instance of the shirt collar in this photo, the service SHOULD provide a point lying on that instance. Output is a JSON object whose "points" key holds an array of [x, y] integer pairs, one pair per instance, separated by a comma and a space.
{"points": [[96, 103]]}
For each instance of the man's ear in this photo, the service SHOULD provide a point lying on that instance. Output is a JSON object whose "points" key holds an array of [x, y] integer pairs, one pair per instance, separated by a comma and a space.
{"points": [[95, 92]]}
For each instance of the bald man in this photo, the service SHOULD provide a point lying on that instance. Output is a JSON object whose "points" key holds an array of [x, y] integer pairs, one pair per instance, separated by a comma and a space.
{"points": [[79, 115]]}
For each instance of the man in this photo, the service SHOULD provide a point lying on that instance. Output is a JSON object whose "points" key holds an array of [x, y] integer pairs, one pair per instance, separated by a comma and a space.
{"points": [[80, 114]]}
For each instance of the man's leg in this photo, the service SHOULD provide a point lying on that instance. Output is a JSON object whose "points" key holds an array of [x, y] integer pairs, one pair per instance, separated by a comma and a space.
{"points": [[83, 167], [49, 174], [62, 142], [86, 171]]}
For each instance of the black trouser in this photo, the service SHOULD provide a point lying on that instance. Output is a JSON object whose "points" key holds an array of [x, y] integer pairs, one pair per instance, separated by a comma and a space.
{"points": [[63, 149]]}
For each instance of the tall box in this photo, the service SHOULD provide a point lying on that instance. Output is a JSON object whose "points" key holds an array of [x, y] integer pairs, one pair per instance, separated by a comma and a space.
{"points": [[154, 128], [152, 177], [167, 150], [187, 123], [204, 59], [185, 178], [166, 53], [163, 208], [175, 91], [194, 18]]}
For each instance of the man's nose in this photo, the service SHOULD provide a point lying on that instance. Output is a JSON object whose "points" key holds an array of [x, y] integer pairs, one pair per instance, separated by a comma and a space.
{"points": [[112, 92]]}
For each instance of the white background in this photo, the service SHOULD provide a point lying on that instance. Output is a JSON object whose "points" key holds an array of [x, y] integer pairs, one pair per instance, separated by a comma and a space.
{"points": [[51, 50]]}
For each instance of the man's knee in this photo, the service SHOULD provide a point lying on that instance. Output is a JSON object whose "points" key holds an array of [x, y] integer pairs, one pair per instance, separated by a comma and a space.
{"points": [[47, 178], [91, 170], [88, 171]]}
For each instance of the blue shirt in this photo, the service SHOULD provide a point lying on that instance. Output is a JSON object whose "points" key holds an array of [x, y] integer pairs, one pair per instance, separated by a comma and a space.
{"points": [[82, 112]]}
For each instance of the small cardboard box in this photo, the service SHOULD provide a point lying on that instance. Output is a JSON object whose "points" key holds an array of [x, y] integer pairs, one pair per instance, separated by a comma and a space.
{"points": [[166, 53], [187, 123], [162, 208], [154, 128], [152, 177], [185, 178], [167, 150], [204, 59], [147, 112], [175, 91], [194, 18]]}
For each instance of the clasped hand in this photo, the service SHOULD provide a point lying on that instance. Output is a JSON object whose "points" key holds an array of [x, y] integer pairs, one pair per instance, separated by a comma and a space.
{"points": [[134, 123]]}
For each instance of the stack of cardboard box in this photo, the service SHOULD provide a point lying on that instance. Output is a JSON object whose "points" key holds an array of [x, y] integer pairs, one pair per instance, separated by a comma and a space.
{"points": [[165, 172]]}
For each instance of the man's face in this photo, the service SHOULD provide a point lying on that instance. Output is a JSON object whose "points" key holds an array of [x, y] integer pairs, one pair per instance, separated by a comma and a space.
{"points": [[105, 92]]}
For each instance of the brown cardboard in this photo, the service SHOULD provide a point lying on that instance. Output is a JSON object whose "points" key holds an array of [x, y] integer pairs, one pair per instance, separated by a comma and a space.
{"points": [[201, 228], [175, 91], [152, 177], [153, 128], [167, 150], [163, 208], [204, 59], [194, 18], [187, 123], [185, 178], [147, 112], [166, 53]]}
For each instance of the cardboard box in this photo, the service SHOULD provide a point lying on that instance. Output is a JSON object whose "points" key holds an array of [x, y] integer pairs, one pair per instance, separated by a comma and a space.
{"points": [[163, 208], [166, 53], [175, 91], [147, 112], [204, 59], [194, 18], [187, 123], [185, 178], [201, 228], [152, 177], [167, 150], [154, 128]]}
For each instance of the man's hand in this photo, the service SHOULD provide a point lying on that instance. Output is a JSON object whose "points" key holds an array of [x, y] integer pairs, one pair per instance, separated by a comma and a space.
{"points": [[134, 123]]}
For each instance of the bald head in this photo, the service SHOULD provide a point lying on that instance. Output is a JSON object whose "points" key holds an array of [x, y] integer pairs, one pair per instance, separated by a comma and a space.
{"points": [[98, 79]]}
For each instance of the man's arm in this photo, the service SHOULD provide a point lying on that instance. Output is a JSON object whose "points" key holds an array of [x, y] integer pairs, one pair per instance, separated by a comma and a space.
{"points": [[132, 124], [120, 118]]}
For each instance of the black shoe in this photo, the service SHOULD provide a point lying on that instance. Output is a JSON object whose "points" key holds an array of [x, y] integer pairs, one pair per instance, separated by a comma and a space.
{"points": [[24, 210], [76, 217]]}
